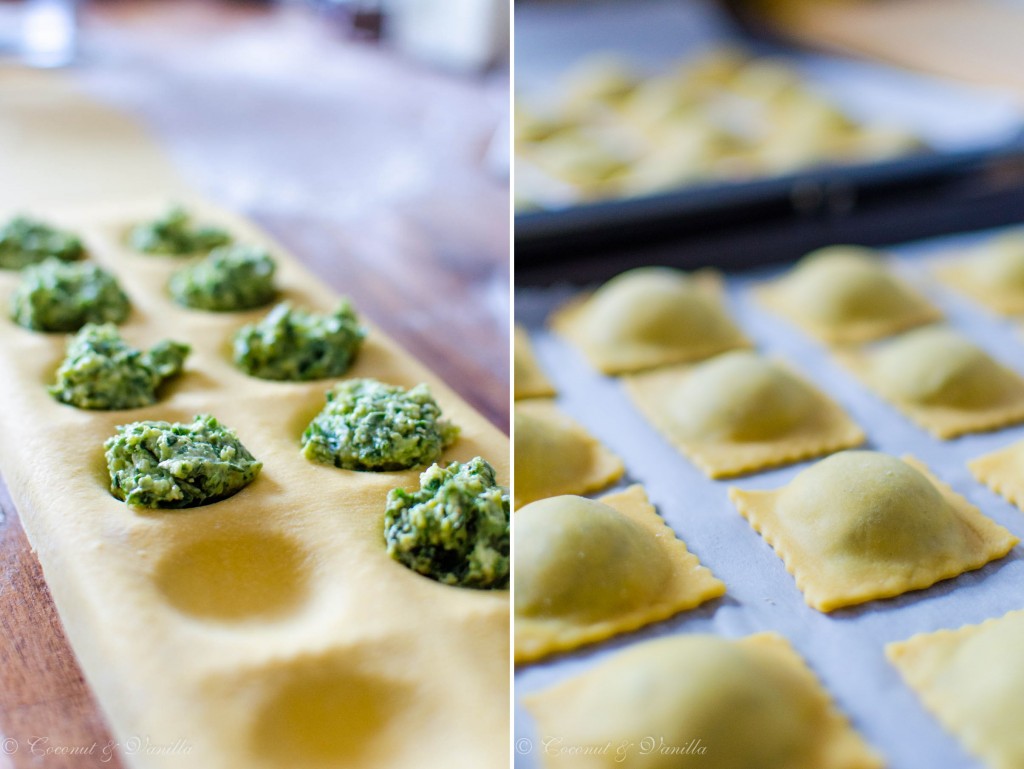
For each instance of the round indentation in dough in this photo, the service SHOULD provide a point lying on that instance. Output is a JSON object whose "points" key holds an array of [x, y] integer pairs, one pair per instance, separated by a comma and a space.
{"points": [[739, 396], [840, 284], [936, 366], [581, 559], [235, 576], [869, 506], [1000, 264], [323, 715], [744, 706], [654, 311]]}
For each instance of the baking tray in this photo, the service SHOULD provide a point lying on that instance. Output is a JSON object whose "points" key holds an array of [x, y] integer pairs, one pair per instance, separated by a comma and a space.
{"points": [[976, 156], [845, 648]]}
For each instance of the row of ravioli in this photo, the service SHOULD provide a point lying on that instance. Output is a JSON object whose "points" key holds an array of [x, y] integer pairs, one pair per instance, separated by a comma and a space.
{"points": [[854, 527], [366, 425]]}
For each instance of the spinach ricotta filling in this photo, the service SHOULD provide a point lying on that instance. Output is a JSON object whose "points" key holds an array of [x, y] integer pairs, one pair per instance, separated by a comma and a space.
{"points": [[176, 234], [369, 425], [455, 528], [174, 465], [57, 296], [25, 241], [231, 278]]}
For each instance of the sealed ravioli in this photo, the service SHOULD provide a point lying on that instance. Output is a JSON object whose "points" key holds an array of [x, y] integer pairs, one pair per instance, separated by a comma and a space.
{"points": [[1003, 472], [555, 455], [587, 570], [530, 380], [648, 317], [699, 700], [740, 412], [972, 679], [942, 381], [861, 525], [844, 294], [992, 274]]}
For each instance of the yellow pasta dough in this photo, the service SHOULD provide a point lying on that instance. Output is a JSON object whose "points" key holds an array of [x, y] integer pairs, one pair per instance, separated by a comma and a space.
{"points": [[1003, 472], [740, 412], [530, 381], [555, 455], [861, 525], [648, 317], [992, 274], [972, 679], [942, 381], [697, 700], [844, 294], [587, 570]]}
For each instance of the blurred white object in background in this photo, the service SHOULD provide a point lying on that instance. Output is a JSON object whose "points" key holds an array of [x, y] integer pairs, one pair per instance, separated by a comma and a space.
{"points": [[467, 35], [40, 33]]}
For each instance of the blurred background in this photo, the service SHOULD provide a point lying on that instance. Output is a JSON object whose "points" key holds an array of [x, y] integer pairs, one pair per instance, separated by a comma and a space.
{"points": [[743, 132], [369, 136]]}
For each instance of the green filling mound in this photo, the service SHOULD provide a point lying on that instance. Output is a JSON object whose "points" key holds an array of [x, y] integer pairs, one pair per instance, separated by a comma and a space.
{"points": [[102, 372], [160, 464], [368, 425], [56, 296], [293, 345], [176, 234], [455, 529], [231, 278], [25, 241]]}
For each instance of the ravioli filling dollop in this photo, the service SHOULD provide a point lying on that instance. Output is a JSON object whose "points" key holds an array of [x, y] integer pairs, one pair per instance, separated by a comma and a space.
{"points": [[455, 529], [176, 234], [293, 345], [56, 296], [25, 241], [174, 465], [103, 372], [231, 278], [369, 425]]}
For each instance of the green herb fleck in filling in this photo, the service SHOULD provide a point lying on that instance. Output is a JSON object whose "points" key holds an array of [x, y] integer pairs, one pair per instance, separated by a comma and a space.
{"points": [[56, 296], [175, 233], [455, 529], [293, 345], [101, 371], [231, 278], [25, 241], [368, 425], [159, 464]]}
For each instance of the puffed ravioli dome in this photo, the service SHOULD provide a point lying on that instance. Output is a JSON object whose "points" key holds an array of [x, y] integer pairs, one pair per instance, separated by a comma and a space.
{"points": [[740, 396], [617, 564], [937, 366], [555, 455], [589, 569], [647, 317], [862, 525], [972, 679], [846, 294], [732, 704]]}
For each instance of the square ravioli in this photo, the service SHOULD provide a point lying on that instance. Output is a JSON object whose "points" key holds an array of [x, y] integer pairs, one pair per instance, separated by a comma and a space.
{"points": [[555, 455], [697, 700], [649, 317], [1001, 471], [586, 570], [740, 412], [862, 525], [972, 680], [991, 274], [529, 381], [846, 294], [942, 381]]}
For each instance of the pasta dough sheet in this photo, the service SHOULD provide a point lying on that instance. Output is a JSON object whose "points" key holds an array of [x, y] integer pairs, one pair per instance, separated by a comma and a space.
{"points": [[270, 629], [846, 648]]}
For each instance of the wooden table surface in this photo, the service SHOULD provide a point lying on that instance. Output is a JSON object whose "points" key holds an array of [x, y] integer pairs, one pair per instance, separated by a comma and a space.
{"points": [[370, 168]]}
